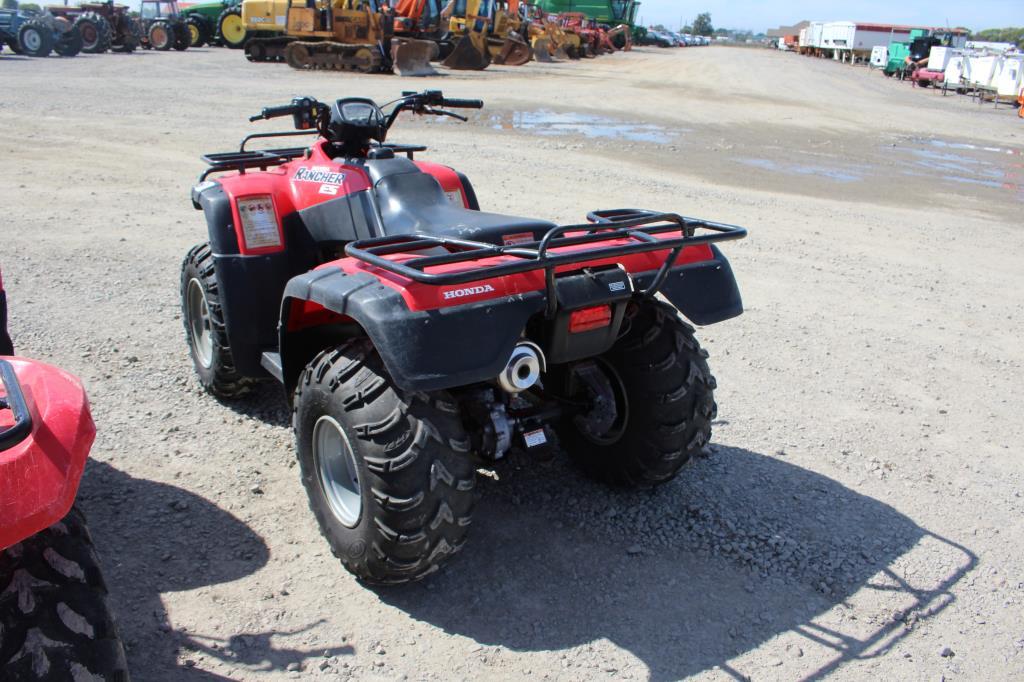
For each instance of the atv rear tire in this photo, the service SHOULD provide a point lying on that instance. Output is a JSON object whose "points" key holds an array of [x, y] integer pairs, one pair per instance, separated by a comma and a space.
{"points": [[96, 31], [231, 29], [204, 327], [388, 473], [658, 378], [55, 623], [35, 38], [161, 36]]}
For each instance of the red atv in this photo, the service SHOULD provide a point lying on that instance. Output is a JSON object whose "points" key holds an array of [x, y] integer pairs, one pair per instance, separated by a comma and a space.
{"points": [[54, 620], [419, 338]]}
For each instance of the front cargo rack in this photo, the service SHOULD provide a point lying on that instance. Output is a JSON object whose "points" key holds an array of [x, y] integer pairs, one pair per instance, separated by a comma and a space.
{"points": [[636, 225], [240, 161]]}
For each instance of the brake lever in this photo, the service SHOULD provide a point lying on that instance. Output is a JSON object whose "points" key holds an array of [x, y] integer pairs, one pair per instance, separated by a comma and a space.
{"points": [[442, 112]]}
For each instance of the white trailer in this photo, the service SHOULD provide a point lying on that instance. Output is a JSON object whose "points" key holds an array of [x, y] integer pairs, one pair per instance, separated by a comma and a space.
{"points": [[940, 56], [851, 41], [810, 38]]}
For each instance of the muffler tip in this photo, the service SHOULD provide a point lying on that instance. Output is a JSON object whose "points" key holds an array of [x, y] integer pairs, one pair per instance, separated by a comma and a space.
{"points": [[523, 368]]}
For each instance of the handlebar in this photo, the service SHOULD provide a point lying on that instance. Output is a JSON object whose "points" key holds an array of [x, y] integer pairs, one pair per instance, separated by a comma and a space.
{"points": [[462, 103], [275, 112]]}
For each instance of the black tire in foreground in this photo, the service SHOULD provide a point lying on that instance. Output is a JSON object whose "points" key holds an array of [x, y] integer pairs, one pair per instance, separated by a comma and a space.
{"points": [[182, 36], [205, 332], [35, 39], [131, 36], [161, 35], [388, 474], [199, 31], [655, 402], [55, 623], [96, 32], [230, 28], [70, 43]]}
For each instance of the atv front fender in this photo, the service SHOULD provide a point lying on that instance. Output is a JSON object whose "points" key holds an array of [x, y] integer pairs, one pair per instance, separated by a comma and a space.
{"points": [[422, 350]]}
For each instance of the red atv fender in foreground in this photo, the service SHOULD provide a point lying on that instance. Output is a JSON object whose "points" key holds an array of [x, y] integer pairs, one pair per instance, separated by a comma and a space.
{"points": [[419, 338], [55, 623]]}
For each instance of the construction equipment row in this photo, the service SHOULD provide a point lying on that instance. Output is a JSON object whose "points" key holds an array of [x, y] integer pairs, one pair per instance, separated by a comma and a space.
{"points": [[373, 37]]}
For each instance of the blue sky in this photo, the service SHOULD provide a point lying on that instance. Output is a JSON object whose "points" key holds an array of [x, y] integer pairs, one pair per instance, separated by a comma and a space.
{"points": [[750, 14]]}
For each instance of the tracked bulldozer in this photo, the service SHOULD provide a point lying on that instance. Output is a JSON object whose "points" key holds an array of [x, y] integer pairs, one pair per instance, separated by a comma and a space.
{"points": [[337, 35], [486, 35]]}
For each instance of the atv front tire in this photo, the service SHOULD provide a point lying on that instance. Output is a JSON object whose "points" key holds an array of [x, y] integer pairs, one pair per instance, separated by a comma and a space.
{"points": [[655, 397], [204, 327], [388, 473], [55, 623]]}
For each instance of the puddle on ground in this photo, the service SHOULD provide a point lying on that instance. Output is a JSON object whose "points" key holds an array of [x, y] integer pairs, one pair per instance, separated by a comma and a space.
{"points": [[545, 122], [849, 174], [961, 163], [940, 164]]}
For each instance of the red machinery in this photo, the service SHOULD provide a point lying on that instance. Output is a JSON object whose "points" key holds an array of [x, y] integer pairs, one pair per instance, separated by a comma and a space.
{"points": [[54, 618]]}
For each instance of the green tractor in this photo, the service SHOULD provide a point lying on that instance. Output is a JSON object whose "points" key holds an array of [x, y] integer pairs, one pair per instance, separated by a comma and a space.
{"points": [[216, 23]]}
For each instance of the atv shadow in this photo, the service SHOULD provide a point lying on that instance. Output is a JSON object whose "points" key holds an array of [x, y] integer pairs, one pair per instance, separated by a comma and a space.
{"points": [[155, 538], [741, 548]]}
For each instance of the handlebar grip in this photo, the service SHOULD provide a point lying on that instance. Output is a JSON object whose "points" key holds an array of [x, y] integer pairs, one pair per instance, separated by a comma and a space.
{"points": [[274, 112], [463, 103]]}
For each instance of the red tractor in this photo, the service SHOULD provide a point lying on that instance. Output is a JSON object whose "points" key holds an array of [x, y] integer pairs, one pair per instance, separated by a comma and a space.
{"points": [[55, 623], [419, 338]]}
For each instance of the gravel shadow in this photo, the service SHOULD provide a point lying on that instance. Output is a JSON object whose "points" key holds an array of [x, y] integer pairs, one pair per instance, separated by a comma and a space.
{"points": [[741, 547], [156, 538]]}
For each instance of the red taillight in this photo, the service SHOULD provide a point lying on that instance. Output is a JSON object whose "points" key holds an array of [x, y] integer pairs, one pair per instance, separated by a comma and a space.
{"points": [[586, 319]]}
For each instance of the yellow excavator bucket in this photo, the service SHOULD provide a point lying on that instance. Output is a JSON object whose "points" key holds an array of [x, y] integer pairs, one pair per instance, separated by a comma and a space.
{"points": [[513, 51], [542, 49], [470, 54], [412, 57]]}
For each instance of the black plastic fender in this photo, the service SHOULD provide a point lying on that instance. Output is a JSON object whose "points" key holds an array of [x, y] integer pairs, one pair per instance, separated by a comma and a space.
{"points": [[422, 350], [704, 292]]}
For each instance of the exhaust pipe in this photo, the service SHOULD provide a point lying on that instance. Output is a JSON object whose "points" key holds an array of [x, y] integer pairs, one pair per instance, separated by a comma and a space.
{"points": [[523, 368]]}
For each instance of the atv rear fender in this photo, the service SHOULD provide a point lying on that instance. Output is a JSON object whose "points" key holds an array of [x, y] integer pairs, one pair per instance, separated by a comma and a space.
{"points": [[46, 432], [430, 340]]}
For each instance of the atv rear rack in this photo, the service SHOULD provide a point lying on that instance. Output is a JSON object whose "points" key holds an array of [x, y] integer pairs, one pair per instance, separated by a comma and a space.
{"points": [[636, 225]]}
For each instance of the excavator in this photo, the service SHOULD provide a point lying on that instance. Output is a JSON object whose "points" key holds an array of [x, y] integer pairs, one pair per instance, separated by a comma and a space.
{"points": [[487, 30], [338, 35], [421, 36]]}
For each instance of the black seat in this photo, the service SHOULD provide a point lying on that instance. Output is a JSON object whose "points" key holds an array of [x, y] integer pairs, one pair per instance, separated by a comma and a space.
{"points": [[413, 201]]}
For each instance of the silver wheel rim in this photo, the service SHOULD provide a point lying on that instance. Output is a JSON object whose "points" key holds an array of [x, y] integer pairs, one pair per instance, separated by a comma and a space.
{"points": [[32, 40], [199, 323], [336, 468]]}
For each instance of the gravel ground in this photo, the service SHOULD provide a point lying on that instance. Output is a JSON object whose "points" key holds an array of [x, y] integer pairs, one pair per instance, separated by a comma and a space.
{"points": [[858, 513]]}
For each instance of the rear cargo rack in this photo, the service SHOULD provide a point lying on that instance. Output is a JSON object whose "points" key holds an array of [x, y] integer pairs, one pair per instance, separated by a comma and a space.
{"points": [[637, 225]]}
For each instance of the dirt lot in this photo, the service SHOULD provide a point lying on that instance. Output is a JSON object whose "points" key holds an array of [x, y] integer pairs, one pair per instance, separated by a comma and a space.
{"points": [[860, 510]]}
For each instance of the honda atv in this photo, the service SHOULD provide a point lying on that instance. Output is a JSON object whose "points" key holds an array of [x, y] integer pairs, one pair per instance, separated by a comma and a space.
{"points": [[55, 623], [419, 338]]}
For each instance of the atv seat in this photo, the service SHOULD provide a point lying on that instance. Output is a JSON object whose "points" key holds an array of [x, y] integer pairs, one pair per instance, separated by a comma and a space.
{"points": [[414, 202]]}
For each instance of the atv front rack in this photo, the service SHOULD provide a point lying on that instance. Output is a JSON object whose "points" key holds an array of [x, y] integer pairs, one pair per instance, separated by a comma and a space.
{"points": [[637, 226]]}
